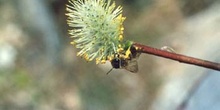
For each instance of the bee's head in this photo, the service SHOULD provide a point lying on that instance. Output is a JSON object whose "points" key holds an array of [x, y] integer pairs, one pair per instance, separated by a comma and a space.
{"points": [[115, 63], [133, 51]]}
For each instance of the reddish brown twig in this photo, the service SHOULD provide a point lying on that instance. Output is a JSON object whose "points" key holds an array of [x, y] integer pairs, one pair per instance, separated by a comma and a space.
{"points": [[177, 57]]}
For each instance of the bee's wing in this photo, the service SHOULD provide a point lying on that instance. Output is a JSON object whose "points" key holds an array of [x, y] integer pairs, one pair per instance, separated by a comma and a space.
{"points": [[132, 66], [137, 56]]}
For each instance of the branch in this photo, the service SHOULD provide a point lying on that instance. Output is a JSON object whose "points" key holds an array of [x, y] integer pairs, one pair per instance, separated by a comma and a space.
{"points": [[177, 57]]}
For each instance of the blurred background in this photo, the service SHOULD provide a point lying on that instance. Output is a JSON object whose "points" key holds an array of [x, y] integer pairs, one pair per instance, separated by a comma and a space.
{"points": [[39, 69]]}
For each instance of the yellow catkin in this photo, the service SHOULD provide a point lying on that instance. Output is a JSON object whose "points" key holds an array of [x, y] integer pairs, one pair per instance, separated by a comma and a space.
{"points": [[101, 17]]}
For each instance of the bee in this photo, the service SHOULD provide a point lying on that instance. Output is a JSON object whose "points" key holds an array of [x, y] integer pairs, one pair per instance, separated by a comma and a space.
{"points": [[129, 63]]}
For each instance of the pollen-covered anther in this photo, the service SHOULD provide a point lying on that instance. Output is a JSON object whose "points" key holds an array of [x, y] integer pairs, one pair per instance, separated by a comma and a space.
{"points": [[119, 50], [86, 57], [120, 18], [103, 61], [73, 43], [109, 58], [119, 45], [122, 29], [120, 38], [97, 60]]}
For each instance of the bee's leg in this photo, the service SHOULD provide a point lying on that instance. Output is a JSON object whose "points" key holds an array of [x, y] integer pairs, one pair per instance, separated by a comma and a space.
{"points": [[109, 71]]}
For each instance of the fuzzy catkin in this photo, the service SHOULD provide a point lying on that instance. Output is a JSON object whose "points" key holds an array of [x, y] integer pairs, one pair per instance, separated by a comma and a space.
{"points": [[96, 28]]}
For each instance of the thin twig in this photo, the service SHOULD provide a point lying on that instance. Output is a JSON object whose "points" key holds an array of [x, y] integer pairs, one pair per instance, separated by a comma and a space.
{"points": [[177, 57]]}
